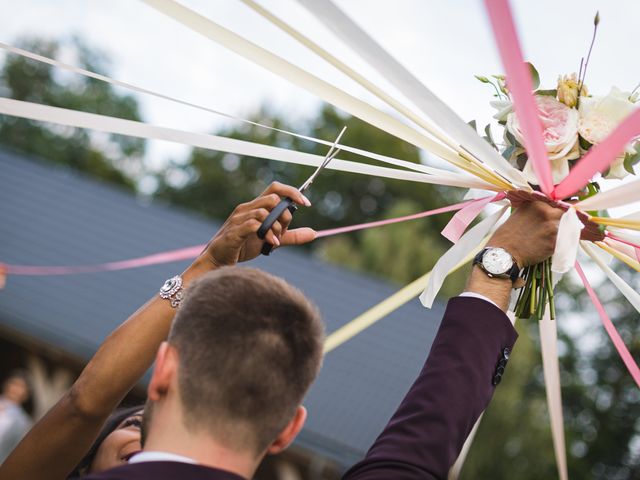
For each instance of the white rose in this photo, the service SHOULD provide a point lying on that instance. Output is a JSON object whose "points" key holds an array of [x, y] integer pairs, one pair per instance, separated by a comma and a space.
{"points": [[599, 116], [560, 133]]}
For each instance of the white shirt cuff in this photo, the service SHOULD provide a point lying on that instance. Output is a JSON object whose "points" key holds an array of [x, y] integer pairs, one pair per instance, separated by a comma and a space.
{"points": [[477, 295]]}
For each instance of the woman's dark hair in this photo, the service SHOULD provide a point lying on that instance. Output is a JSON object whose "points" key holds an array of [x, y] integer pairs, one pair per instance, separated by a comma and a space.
{"points": [[115, 419]]}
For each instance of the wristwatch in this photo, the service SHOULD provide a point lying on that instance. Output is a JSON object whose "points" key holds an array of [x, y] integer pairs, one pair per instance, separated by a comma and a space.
{"points": [[496, 262]]}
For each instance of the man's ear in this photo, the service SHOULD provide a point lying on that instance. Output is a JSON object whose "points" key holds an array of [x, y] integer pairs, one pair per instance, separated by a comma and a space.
{"points": [[290, 432], [163, 372]]}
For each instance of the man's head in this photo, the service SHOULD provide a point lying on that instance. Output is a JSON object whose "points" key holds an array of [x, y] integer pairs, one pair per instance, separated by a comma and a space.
{"points": [[16, 387], [247, 346]]}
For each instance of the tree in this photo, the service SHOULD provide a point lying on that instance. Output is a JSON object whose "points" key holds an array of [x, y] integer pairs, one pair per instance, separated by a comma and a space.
{"points": [[114, 158]]}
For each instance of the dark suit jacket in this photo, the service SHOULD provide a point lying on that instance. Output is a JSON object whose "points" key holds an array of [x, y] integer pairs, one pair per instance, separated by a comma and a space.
{"points": [[427, 432], [163, 471]]}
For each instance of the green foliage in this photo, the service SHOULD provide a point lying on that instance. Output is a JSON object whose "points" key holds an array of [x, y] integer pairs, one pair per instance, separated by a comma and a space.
{"points": [[109, 157]]}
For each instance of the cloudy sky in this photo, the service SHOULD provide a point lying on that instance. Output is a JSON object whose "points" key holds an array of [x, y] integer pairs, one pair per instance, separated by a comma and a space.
{"points": [[443, 42]]}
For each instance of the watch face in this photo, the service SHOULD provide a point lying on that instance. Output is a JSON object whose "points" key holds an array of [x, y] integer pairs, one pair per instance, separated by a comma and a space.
{"points": [[497, 261]]}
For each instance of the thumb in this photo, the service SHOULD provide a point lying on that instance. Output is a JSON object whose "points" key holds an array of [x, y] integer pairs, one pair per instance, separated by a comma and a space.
{"points": [[298, 236]]}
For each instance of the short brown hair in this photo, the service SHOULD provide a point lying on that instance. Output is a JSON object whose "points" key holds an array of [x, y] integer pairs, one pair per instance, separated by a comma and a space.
{"points": [[249, 346]]}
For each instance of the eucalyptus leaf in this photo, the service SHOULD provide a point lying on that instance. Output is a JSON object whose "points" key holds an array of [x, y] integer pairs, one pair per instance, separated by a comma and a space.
{"points": [[584, 144], [630, 159], [506, 154], [473, 125]]}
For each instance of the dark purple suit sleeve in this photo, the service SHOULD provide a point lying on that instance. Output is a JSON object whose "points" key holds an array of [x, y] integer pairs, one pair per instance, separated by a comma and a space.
{"points": [[427, 432]]}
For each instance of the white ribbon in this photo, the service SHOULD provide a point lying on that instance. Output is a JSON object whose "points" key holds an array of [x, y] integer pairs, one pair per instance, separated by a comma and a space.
{"points": [[622, 195], [73, 118], [446, 119], [468, 241], [567, 241], [629, 293], [304, 79], [551, 370], [346, 148]]}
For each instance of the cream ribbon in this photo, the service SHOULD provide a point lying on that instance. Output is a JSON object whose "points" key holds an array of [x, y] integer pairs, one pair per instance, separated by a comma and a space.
{"points": [[412, 88], [346, 148], [298, 76], [621, 195], [551, 370], [567, 241], [73, 118], [467, 242]]}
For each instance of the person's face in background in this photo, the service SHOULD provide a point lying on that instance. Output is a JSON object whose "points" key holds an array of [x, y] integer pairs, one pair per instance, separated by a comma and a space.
{"points": [[16, 390], [119, 446]]}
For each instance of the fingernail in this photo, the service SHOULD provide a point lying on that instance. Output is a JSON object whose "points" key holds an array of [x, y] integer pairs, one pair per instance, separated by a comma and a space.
{"points": [[276, 241], [307, 203]]}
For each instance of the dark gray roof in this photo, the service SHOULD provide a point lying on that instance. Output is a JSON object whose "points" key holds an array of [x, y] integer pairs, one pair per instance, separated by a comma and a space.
{"points": [[53, 216]]}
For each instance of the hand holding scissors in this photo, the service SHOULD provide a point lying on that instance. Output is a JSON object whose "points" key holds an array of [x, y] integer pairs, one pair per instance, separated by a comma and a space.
{"points": [[288, 204]]}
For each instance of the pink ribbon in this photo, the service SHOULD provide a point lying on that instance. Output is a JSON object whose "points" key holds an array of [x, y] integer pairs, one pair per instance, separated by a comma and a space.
{"points": [[599, 157], [628, 360], [461, 220], [635, 246], [189, 253], [520, 88]]}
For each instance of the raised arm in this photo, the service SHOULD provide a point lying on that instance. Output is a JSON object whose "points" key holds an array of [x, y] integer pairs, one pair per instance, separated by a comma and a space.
{"points": [[63, 436], [427, 432]]}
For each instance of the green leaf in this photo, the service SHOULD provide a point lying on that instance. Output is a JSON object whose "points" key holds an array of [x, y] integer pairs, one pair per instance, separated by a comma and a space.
{"points": [[482, 79], [584, 144], [535, 76], [488, 137], [472, 123], [550, 93], [630, 159], [510, 137]]}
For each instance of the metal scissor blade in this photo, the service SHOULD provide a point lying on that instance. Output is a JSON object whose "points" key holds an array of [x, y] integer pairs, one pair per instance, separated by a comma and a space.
{"points": [[328, 157]]}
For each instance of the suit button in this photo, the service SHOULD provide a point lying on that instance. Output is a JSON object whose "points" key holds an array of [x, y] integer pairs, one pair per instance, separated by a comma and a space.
{"points": [[497, 378], [505, 353], [500, 370]]}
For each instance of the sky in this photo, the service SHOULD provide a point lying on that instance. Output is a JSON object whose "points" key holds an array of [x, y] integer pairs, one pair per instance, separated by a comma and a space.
{"points": [[444, 43]]}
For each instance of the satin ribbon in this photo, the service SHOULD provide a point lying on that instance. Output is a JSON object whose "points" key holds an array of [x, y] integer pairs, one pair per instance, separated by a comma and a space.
{"points": [[189, 253], [467, 242], [551, 370], [395, 301], [520, 89], [567, 242], [74, 118], [624, 194], [610, 328], [633, 245], [135, 88], [303, 78], [443, 116], [461, 220]]}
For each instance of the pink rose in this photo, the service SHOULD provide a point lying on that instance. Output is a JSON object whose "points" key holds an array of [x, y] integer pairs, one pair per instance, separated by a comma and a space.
{"points": [[560, 132]]}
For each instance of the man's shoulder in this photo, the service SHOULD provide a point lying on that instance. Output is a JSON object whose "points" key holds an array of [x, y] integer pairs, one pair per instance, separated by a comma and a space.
{"points": [[163, 470]]}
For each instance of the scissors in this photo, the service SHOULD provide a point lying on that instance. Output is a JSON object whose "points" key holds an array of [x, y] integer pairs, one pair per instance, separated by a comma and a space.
{"points": [[288, 204]]}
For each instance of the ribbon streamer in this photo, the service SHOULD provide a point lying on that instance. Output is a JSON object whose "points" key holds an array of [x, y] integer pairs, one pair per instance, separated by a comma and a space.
{"points": [[73, 118], [452, 256], [135, 88], [300, 77], [520, 88], [621, 195], [551, 370], [610, 328], [461, 220], [376, 56], [395, 301], [189, 253], [567, 242]]}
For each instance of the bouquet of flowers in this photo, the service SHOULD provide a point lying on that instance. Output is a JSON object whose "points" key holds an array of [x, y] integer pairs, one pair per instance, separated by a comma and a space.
{"points": [[573, 122]]}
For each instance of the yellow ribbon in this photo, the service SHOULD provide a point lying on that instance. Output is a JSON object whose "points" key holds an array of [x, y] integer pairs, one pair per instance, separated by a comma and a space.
{"points": [[384, 308]]}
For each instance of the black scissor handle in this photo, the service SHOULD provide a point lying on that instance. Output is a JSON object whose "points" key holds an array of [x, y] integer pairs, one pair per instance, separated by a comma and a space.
{"points": [[285, 204]]}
